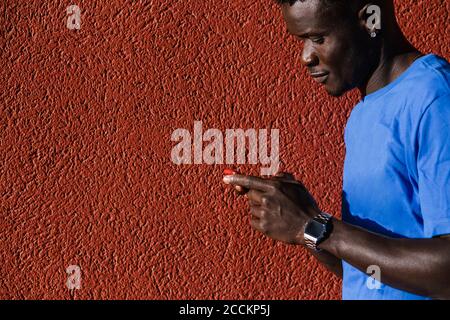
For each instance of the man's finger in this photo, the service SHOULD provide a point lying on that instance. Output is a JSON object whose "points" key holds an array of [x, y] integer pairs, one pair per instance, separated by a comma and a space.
{"points": [[254, 203], [249, 182], [255, 197], [285, 176], [241, 190], [257, 212], [256, 224]]}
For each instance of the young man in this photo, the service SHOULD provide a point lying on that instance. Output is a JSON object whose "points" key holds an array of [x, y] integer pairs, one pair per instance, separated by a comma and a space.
{"points": [[396, 190]]}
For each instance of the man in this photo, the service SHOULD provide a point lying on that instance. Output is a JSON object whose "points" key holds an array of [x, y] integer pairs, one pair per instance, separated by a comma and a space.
{"points": [[396, 186]]}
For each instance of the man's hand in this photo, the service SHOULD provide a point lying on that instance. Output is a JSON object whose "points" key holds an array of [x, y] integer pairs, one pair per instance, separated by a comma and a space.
{"points": [[280, 206]]}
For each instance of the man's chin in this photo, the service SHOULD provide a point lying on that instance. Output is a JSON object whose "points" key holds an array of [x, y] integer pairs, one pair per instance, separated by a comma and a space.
{"points": [[334, 92]]}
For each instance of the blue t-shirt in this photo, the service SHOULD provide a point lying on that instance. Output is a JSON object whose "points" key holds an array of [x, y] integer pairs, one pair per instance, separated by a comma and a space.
{"points": [[397, 165]]}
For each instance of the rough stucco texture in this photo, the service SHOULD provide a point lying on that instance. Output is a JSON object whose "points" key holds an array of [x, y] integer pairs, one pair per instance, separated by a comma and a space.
{"points": [[86, 123]]}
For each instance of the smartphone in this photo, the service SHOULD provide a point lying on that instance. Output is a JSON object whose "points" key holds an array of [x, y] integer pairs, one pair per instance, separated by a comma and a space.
{"points": [[229, 172]]}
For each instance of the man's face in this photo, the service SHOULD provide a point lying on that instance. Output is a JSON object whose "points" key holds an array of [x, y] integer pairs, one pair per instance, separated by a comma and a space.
{"points": [[335, 46]]}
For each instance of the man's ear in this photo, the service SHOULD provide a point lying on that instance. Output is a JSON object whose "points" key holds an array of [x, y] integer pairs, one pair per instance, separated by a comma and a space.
{"points": [[369, 18]]}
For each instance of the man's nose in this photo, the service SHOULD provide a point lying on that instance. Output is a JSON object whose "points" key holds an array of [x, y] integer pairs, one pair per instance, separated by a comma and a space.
{"points": [[309, 57]]}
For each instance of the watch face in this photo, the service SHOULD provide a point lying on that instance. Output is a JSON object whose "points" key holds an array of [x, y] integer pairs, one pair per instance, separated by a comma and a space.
{"points": [[315, 229]]}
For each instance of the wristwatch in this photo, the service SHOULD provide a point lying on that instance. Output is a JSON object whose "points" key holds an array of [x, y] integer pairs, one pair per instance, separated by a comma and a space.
{"points": [[317, 230]]}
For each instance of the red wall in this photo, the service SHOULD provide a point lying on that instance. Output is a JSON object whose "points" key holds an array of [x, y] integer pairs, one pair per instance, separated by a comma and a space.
{"points": [[86, 176]]}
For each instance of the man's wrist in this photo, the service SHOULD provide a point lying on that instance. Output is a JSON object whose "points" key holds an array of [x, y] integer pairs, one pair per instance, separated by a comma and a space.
{"points": [[331, 243], [317, 230], [300, 237]]}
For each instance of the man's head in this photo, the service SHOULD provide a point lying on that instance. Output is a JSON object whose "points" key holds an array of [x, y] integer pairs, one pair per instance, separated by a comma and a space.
{"points": [[338, 48]]}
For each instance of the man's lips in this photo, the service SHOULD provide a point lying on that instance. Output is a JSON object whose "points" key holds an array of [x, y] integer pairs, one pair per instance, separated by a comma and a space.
{"points": [[320, 77]]}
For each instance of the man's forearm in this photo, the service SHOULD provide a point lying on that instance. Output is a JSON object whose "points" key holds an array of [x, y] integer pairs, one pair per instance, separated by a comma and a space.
{"points": [[420, 266], [329, 261]]}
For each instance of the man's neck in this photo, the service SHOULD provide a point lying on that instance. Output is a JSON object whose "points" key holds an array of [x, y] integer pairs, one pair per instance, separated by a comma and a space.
{"points": [[396, 56]]}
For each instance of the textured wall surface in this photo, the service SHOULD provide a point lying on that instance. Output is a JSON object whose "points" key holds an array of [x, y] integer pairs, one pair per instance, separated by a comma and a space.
{"points": [[86, 117]]}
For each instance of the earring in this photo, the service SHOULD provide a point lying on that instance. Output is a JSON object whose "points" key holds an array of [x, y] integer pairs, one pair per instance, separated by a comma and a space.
{"points": [[373, 34]]}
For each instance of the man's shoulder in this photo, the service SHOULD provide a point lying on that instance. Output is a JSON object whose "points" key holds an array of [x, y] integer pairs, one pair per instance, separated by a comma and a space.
{"points": [[428, 79], [427, 82]]}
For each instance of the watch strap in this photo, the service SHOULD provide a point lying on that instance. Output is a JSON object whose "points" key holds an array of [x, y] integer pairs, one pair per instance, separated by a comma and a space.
{"points": [[310, 242]]}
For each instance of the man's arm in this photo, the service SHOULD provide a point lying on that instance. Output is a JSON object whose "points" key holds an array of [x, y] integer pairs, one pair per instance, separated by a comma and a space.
{"points": [[420, 266], [281, 210], [329, 261], [334, 264]]}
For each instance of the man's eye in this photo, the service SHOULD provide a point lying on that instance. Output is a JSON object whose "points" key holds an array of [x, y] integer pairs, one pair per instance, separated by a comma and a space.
{"points": [[318, 40]]}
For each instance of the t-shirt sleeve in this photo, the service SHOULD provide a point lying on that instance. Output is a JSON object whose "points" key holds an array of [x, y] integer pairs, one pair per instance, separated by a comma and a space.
{"points": [[433, 165]]}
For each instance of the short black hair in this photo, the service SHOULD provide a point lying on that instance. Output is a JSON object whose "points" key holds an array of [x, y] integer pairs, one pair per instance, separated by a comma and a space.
{"points": [[326, 4]]}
